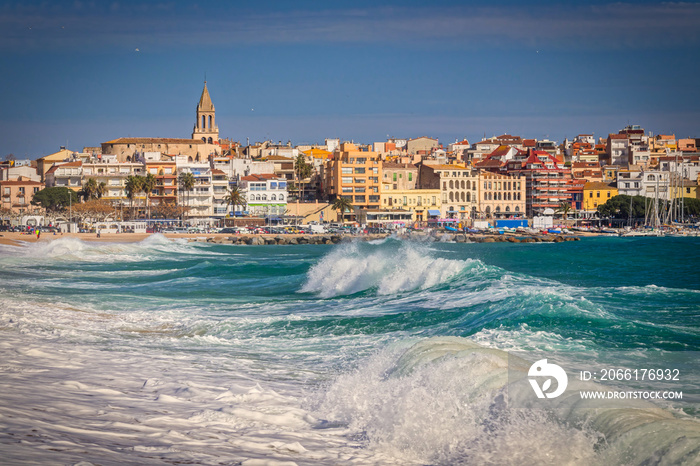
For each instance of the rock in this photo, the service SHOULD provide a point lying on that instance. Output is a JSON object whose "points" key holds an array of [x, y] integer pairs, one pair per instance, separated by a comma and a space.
{"points": [[335, 239], [558, 239], [512, 239], [460, 238], [269, 240], [488, 239], [293, 241]]}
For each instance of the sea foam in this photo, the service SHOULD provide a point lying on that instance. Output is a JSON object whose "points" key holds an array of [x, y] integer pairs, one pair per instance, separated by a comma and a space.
{"points": [[355, 267]]}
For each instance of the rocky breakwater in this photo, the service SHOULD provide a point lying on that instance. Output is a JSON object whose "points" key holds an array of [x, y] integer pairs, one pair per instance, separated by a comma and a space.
{"points": [[262, 240]]}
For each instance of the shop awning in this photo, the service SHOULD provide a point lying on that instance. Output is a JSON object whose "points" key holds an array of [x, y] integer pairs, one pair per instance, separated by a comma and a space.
{"points": [[433, 212]]}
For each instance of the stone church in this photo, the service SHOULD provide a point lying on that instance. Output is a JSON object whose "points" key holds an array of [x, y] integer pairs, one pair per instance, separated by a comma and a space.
{"points": [[204, 141]]}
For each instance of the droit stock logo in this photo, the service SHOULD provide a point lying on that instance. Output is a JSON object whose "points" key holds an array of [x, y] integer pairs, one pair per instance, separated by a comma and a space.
{"points": [[543, 370]]}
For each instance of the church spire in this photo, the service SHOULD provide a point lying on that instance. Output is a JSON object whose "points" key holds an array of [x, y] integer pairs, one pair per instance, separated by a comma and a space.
{"points": [[205, 101], [205, 126]]}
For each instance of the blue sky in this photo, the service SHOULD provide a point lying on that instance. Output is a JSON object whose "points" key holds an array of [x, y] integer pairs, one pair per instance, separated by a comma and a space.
{"points": [[80, 73]]}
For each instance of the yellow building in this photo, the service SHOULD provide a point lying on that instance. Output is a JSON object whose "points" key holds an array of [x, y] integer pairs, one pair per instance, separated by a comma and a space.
{"points": [[684, 188], [45, 163], [417, 201], [596, 194]]}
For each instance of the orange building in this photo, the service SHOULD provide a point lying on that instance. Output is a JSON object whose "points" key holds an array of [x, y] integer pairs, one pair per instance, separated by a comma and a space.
{"points": [[17, 194], [355, 174]]}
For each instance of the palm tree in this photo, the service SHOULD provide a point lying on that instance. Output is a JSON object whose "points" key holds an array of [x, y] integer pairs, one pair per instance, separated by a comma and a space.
{"points": [[132, 188], [148, 185], [187, 181], [564, 208], [342, 204], [101, 190], [89, 190], [234, 198], [303, 170]]}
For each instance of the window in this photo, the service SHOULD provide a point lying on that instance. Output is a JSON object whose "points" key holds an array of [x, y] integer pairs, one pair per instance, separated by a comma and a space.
{"points": [[347, 180], [347, 170], [360, 180], [410, 176], [394, 177], [360, 171], [608, 193], [347, 189], [360, 189], [374, 199], [359, 198]]}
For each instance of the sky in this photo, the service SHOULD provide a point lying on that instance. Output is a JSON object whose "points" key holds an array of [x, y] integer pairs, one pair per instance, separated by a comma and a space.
{"points": [[79, 73]]}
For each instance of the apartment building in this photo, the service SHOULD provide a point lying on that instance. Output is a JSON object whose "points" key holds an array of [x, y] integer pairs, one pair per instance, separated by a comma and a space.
{"points": [[500, 195], [458, 187], [113, 174], [398, 176], [547, 181], [421, 203], [355, 174], [266, 194], [68, 174], [17, 194], [200, 199]]}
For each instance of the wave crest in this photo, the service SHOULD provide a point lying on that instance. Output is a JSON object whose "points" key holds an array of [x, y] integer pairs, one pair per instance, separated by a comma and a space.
{"points": [[355, 267]]}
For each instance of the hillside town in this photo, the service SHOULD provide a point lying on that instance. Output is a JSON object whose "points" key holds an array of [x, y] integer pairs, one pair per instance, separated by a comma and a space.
{"points": [[206, 181]]}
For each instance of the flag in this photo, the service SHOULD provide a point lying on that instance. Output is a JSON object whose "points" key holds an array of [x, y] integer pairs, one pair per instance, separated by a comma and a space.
{"points": [[321, 216]]}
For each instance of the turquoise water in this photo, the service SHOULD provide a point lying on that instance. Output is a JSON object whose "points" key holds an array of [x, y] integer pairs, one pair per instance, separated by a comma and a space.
{"points": [[315, 332]]}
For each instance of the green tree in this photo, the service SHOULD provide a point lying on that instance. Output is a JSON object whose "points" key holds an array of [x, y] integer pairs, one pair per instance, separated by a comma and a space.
{"points": [[101, 189], [234, 198], [89, 189], [303, 171], [133, 186], [186, 181], [342, 205], [55, 199], [147, 186], [619, 207]]}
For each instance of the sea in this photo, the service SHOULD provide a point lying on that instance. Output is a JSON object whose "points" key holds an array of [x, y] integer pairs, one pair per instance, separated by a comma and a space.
{"points": [[359, 353]]}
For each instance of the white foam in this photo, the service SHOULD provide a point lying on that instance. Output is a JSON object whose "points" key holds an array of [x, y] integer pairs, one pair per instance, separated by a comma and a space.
{"points": [[440, 401], [349, 269]]}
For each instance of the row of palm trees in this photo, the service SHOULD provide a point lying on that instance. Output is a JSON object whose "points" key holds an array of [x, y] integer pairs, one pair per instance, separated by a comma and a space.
{"points": [[136, 184]]}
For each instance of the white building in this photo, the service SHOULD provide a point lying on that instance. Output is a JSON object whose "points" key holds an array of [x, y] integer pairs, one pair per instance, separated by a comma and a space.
{"points": [[266, 194], [200, 199]]}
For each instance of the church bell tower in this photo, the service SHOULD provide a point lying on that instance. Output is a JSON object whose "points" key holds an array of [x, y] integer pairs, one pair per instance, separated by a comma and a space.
{"points": [[205, 127]]}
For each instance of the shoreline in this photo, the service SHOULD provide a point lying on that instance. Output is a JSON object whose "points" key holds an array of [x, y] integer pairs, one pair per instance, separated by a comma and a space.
{"points": [[18, 238]]}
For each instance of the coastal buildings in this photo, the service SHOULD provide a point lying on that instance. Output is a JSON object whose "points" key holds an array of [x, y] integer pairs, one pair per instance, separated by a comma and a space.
{"points": [[411, 179]]}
